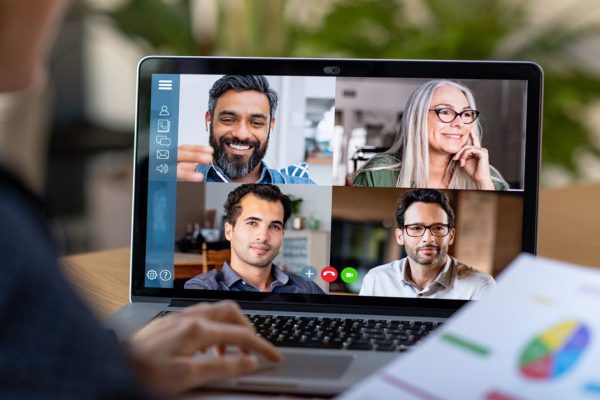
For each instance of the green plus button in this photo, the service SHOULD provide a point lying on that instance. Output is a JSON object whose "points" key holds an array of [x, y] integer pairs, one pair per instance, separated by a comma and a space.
{"points": [[349, 275]]}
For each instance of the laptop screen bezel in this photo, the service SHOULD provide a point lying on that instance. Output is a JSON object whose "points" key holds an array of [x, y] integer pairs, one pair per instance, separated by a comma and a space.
{"points": [[493, 70]]}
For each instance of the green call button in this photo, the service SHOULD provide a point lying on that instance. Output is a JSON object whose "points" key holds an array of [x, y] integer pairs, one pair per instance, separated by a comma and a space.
{"points": [[349, 275]]}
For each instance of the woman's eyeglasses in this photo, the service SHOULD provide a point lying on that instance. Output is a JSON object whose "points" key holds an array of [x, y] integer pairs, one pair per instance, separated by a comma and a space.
{"points": [[448, 115]]}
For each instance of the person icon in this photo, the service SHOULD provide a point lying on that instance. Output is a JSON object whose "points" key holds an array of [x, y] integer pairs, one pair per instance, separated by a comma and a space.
{"points": [[164, 111]]}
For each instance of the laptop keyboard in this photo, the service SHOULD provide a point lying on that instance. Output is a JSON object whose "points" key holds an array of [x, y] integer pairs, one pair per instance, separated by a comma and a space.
{"points": [[340, 333]]}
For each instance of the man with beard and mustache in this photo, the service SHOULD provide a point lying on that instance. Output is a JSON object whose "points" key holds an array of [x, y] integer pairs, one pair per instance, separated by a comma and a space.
{"points": [[239, 120], [255, 216], [426, 230]]}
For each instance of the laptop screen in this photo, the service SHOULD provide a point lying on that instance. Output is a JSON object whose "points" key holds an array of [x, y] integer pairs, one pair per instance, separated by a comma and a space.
{"points": [[323, 187]]}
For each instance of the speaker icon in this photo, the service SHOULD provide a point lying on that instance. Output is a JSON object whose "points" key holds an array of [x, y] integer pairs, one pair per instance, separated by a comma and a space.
{"points": [[163, 168]]}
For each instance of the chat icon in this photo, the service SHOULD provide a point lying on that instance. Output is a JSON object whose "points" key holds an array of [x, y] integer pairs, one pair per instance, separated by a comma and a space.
{"points": [[163, 140]]}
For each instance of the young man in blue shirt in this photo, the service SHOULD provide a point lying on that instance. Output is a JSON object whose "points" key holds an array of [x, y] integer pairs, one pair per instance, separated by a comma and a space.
{"points": [[256, 215]]}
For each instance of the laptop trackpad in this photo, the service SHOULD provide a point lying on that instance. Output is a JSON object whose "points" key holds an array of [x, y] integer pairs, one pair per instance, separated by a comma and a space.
{"points": [[307, 366]]}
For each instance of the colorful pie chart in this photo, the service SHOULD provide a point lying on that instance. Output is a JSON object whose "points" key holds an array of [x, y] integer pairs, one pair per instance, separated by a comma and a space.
{"points": [[554, 351]]}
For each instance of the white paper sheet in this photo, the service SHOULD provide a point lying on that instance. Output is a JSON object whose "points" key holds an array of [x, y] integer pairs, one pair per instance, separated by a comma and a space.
{"points": [[535, 336]]}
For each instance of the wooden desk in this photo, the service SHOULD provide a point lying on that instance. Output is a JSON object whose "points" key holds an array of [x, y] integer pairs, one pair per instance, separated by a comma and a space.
{"points": [[187, 265], [569, 224], [101, 277]]}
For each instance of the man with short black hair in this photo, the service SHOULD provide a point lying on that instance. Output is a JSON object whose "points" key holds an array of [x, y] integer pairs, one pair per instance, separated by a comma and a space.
{"points": [[426, 230], [239, 119], [255, 217]]}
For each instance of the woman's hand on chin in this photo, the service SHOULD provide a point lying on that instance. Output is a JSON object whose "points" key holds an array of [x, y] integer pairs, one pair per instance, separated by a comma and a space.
{"points": [[475, 161]]}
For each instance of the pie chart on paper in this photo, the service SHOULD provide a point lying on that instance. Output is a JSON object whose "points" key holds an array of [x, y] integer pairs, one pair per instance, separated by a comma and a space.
{"points": [[554, 351]]}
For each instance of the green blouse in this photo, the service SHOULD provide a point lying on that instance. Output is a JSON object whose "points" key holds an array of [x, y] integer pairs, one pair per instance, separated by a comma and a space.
{"points": [[389, 176]]}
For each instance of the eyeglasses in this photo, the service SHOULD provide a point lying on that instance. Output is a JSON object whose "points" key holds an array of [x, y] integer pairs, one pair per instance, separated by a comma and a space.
{"points": [[448, 115], [418, 230]]}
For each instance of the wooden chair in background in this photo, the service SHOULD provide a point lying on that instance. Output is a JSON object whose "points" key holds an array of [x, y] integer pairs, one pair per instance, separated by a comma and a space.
{"points": [[213, 256]]}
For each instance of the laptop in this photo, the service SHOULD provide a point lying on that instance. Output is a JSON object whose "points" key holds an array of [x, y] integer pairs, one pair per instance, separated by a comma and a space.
{"points": [[334, 142]]}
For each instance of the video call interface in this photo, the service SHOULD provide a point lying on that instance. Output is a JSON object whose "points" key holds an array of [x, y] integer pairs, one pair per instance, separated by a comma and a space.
{"points": [[393, 187]]}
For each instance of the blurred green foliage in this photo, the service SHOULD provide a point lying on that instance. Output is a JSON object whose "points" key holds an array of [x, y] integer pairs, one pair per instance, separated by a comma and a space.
{"points": [[161, 25], [439, 29]]}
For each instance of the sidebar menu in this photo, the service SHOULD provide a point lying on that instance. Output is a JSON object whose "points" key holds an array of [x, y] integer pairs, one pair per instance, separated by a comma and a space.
{"points": [[162, 184]]}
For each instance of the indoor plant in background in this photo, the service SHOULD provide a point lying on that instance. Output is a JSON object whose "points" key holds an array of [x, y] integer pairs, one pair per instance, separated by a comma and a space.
{"points": [[298, 221]]}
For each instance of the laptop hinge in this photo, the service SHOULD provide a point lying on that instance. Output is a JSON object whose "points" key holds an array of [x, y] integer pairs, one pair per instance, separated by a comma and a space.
{"points": [[322, 308]]}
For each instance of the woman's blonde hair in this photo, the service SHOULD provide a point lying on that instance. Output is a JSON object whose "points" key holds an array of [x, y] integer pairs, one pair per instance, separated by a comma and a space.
{"points": [[411, 145]]}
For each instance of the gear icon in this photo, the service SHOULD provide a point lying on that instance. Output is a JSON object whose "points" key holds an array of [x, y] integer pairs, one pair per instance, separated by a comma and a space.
{"points": [[152, 275]]}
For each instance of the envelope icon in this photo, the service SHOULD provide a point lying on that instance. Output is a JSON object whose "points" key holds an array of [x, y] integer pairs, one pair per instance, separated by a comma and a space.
{"points": [[162, 154]]}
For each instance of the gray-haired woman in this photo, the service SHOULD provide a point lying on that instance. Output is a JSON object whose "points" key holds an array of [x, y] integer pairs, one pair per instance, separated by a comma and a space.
{"points": [[438, 145]]}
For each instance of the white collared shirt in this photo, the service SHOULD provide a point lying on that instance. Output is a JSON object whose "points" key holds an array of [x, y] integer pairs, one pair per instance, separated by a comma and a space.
{"points": [[455, 281]]}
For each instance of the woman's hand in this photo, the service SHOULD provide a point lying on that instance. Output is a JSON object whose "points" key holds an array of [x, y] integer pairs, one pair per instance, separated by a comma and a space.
{"points": [[474, 160], [166, 350]]}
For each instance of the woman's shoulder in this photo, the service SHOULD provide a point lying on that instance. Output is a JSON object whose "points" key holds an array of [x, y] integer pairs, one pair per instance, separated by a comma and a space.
{"points": [[382, 161], [380, 171], [498, 180]]}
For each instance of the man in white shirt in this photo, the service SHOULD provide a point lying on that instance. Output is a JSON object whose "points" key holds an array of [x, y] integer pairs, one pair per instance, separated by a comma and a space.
{"points": [[426, 230]]}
